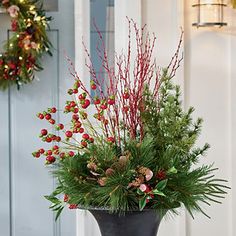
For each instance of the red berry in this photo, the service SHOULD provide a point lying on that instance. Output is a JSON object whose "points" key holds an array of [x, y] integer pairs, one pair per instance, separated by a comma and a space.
{"points": [[48, 116], [81, 130], [111, 139], [50, 159], [97, 101], [84, 144], [85, 136], [49, 152], [52, 121], [75, 131], [76, 110], [71, 154], [72, 206], [103, 106], [40, 116], [37, 154], [111, 101], [72, 104], [82, 96], [67, 108], [78, 124], [69, 134], [44, 132], [75, 91], [62, 155], [66, 198], [125, 95], [41, 150], [93, 86], [60, 126], [58, 139], [53, 110], [55, 147], [91, 140], [48, 139], [75, 117], [76, 84], [87, 102]]}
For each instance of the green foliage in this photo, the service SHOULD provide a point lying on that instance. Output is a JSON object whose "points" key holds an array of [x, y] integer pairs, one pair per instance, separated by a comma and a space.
{"points": [[155, 173]]}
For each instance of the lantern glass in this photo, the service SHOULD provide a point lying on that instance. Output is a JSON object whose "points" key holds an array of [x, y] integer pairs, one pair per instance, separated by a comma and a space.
{"points": [[209, 13]]}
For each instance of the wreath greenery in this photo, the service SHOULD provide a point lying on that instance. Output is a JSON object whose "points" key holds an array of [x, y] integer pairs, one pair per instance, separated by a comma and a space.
{"points": [[27, 43]]}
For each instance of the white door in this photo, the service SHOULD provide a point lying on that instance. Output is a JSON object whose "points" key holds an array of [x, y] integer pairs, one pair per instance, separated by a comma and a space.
{"points": [[23, 180]]}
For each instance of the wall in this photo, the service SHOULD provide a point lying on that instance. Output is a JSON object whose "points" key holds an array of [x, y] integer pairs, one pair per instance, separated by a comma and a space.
{"points": [[209, 83]]}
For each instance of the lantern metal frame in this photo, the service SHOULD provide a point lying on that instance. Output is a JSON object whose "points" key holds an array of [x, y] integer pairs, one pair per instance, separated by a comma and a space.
{"points": [[209, 24]]}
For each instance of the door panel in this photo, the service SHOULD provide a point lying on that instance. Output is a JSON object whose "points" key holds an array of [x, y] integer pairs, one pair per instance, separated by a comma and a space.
{"points": [[24, 181]]}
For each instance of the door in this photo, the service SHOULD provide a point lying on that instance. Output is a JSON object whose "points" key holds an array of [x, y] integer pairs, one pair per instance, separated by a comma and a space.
{"points": [[23, 180]]}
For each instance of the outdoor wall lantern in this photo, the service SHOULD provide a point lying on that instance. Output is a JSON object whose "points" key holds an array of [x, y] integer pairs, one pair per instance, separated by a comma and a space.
{"points": [[209, 13]]}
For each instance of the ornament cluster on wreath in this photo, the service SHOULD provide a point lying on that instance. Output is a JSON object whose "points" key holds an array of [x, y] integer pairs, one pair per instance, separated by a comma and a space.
{"points": [[27, 43]]}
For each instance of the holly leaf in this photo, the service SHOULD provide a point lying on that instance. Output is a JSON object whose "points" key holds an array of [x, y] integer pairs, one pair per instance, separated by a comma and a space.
{"points": [[157, 192], [142, 203], [162, 184]]}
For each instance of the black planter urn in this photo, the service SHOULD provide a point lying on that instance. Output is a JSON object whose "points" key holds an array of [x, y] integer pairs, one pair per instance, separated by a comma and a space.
{"points": [[133, 223]]}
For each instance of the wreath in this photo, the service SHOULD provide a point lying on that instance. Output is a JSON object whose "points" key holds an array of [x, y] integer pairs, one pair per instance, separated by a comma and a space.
{"points": [[27, 43]]}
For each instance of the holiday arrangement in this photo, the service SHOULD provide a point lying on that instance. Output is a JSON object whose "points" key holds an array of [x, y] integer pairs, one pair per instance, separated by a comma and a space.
{"points": [[27, 43], [129, 145]]}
